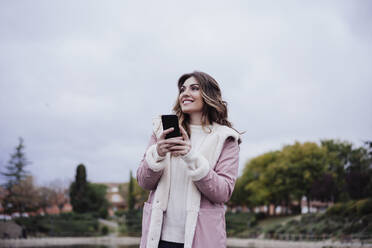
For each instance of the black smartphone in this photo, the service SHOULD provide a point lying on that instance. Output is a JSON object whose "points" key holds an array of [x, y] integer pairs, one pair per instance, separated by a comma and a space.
{"points": [[168, 122]]}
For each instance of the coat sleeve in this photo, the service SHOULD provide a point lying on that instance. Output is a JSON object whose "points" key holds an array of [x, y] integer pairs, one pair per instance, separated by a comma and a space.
{"points": [[151, 167], [217, 185]]}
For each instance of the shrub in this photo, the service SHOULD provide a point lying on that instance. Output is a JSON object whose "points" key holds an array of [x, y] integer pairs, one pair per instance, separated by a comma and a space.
{"points": [[350, 208], [336, 209], [69, 224], [238, 222], [105, 230], [120, 213], [364, 207], [260, 216], [273, 229]]}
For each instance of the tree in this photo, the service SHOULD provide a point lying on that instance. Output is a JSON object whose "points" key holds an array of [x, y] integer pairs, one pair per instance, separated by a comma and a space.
{"points": [[252, 188], [15, 172], [79, 191], [306, 163], [97, 199], [87, 197], [358, 174], [324, 188], [131, 197], [338, 155], [24, 196]]}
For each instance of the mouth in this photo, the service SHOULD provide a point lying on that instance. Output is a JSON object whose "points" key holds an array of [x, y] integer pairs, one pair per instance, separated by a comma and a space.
{"points": [[187, 101]]}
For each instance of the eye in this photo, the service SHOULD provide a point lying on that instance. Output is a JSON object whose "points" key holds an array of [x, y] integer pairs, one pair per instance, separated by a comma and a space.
{"points": [[182, 89], [195, 88]]}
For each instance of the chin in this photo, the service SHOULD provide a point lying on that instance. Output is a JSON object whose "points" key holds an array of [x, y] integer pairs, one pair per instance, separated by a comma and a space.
{"points": [[190, 111], [186, 111]]}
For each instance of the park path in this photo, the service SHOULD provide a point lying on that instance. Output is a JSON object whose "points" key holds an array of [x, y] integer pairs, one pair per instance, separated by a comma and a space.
{"points": [[117, 241]]}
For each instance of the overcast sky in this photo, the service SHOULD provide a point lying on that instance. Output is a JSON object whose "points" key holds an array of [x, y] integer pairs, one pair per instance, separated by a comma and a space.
{"points": [[80, 81]]}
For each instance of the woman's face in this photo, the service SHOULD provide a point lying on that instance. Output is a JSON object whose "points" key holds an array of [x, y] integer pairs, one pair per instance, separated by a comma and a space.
{"points": [[190, 97]]}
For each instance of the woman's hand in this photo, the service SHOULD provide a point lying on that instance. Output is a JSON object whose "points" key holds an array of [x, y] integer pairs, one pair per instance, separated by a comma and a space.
{"points": [[162, 145], [180, 146]]}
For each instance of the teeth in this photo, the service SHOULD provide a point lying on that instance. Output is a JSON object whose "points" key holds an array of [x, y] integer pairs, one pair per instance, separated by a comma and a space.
{"points": [[187, 101]]}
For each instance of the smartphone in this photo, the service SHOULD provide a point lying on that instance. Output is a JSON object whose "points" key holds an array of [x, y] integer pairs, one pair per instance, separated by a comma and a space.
{"points": [[168, 122]]}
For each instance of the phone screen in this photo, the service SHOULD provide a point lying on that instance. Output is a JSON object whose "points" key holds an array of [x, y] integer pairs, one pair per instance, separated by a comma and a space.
{"points": [[171, 121]]}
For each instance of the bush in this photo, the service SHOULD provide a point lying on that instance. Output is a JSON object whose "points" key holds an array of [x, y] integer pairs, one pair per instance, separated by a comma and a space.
{"points": [[133, 222], [336, 209], [120, 213], [260, 216], [105, 230], [123, 229], [350, 208], [238, 222], [364, 207], [67, 224]]}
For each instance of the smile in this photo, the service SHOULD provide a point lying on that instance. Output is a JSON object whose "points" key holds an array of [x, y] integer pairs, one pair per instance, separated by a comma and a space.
{"points": [[187, 101]]}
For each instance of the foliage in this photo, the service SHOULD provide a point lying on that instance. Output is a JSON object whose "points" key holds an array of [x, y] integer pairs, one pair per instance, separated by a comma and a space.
{"points": [[131, 198], [339, 220], [24, 195], [67, 224], [16, 182], [105, 230], [333, 171], [88, 197], [140, 195], [79, 191], [238, 222], [132, 223]]}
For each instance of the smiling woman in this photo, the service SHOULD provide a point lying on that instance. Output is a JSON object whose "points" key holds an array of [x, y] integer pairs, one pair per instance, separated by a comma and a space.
{"points": [[190, 177]]}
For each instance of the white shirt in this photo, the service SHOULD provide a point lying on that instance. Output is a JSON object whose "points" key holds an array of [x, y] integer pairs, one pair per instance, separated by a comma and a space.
{"points": [[175, 217]]}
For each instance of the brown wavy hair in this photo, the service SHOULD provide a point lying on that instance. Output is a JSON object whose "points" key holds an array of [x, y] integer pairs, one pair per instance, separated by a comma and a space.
{"points": [[214, 108]]}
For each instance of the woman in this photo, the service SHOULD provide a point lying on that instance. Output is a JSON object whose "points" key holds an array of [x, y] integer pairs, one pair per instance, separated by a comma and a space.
{"points": [[190, 177]]}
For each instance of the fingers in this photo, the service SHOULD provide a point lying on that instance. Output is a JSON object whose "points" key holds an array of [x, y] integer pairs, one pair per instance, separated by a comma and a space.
{"points": [[165, 132], [175, 141], [184, 133], [162, 148], [177, 148], [179, 153]]}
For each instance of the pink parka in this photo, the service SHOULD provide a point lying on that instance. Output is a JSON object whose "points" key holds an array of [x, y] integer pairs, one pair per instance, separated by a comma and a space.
{"points": [[216, 189]]}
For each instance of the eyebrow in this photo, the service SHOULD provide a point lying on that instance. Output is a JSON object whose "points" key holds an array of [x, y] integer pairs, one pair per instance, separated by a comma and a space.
{"points": [[190, 85]]}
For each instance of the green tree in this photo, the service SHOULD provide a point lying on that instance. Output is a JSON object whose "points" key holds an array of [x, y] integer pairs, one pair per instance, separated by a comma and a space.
{"points": [[252, 188], [87, 197], [15, 173], [280, 177], [131, 197], [338, 155], [97, 199], [358, 174], [79, 191], [351, 169], [306, 163]]}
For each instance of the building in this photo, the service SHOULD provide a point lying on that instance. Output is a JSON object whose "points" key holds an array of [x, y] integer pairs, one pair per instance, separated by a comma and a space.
{"points": [[114, 197]]}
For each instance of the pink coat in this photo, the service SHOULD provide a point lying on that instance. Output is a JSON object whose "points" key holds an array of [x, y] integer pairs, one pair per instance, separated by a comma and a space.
{"points": [[216, 189]]}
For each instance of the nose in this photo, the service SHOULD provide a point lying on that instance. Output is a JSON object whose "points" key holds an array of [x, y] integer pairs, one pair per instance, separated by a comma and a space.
{"points": [[186, 92]]}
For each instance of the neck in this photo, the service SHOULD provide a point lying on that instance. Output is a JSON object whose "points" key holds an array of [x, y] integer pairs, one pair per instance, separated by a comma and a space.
{"points": [[196, 118]]}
